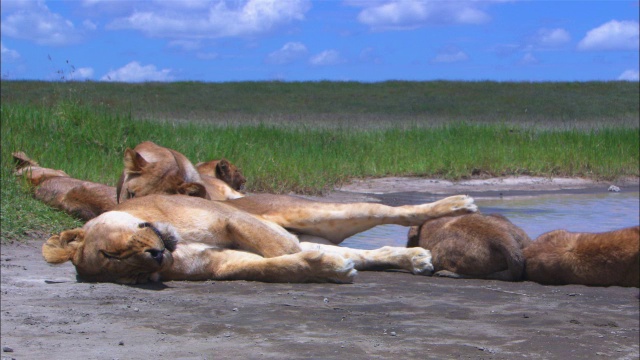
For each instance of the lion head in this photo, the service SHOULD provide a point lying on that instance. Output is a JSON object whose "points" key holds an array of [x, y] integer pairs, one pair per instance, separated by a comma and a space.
{"points": [[223, 170], [115, 247], [152, 169]]}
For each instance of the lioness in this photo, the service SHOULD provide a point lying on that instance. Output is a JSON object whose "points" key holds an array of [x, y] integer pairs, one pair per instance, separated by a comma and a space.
{"points": [[473, 246], [86, 199], [176, 237], [599, 259], [153, 169], [223, 170]]}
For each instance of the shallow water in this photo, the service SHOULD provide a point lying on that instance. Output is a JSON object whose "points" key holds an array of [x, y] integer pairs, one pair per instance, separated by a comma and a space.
{"points": [[535, 215]]}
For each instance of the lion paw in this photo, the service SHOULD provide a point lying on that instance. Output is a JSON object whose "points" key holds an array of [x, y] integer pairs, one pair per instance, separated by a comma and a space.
{"points": [[330, 267], [421, 261], [456, 205]]}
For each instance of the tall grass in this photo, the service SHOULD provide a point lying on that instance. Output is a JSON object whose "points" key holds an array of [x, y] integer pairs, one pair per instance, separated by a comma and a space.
{"points": [[87, 141], [351, 104]]}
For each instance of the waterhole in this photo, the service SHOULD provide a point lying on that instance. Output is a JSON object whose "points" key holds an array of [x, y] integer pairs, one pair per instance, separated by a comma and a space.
{"points": [[534, 214]]}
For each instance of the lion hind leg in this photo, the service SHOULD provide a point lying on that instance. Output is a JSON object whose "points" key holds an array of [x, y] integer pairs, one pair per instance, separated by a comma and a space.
{"points": [[304, 266], [415, 260], [336, 222]]}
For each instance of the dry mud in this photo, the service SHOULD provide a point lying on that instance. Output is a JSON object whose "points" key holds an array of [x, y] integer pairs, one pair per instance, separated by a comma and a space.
{"points": [[48, 314]]}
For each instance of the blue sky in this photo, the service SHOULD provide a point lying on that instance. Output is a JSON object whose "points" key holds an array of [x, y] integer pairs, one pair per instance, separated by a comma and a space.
{"points": [[291, 40]]}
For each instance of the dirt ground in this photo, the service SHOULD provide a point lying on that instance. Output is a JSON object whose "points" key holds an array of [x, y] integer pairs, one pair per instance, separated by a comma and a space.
{"points": [[48, 314]]}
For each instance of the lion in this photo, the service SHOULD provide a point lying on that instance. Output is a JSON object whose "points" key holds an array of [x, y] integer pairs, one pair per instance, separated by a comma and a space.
{"points": [[86, 199], [224, 170], [473, 246], [153, 169], [176, 237], [596, 259]]}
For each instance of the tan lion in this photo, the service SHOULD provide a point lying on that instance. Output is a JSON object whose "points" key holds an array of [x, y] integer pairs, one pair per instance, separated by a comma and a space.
{"points": [[153, 169], [176, 237], [598, 259], [86, 199], [473, 246], [224, 170]]}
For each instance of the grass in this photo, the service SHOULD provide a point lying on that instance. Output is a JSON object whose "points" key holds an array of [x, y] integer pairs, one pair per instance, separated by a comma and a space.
{"points": [[317, 146], [350, 104]]}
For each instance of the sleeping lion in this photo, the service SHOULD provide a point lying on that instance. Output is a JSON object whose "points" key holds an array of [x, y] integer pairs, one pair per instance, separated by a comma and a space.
{"points": [[178, 237]]}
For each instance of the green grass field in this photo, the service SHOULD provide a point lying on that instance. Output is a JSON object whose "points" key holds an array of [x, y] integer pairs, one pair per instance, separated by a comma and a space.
{"points": [[311, 137]]}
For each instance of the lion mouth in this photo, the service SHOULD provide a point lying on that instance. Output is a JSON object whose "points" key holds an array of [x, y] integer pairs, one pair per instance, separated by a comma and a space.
{"points": [[168, 236]]}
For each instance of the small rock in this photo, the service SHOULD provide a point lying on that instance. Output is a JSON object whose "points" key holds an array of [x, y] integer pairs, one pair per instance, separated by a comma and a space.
{"points": [[326, 300], [614, 188], [393, 333], [235, 309], [121, 343], [7, 349]]}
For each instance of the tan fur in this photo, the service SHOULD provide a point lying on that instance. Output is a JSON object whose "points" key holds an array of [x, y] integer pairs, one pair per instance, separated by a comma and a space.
{"points": [[598, 259], [220, 240], [82, 199], [224, 170], [32, 171], [153, 169], [473, 246]]}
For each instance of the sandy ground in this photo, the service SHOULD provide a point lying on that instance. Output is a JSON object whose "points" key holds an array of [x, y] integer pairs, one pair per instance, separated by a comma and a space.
{"points": [[48, 314]]}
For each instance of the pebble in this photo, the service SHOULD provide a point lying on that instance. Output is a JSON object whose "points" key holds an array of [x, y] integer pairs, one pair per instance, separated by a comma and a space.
{"points": [[7, 349], [614, 188]]}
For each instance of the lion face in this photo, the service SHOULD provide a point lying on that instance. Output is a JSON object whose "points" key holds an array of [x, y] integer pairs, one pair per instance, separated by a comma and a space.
{"points": [[112, 250]]}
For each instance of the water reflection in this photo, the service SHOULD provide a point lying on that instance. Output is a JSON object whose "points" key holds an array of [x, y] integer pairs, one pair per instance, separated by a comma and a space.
{"points": [[536, 215]]}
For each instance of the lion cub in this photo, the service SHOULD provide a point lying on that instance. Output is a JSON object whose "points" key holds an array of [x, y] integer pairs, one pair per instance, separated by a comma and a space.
{"points": [[473, 246], [599, 259]]}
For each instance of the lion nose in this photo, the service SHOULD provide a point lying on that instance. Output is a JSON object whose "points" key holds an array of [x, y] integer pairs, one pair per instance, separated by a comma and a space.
{"points": [[157, 255]]}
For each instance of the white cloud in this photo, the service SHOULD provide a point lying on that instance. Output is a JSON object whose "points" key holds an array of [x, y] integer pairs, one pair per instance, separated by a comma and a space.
{"points": [[630, 75], [552, 37], [89, 25], [289, 53], [207, 55], [408, 14], [188, 45], [8, 54], [529, 59], [450, 55], [614, 35], [209, 20], [84, 73], [34, 21], [327, 57], [134, 72]]}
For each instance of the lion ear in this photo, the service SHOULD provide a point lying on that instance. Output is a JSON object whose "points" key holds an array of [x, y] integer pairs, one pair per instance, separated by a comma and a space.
{"points": [[133, 162], [63, 247], [193, 189], [222, 169]]}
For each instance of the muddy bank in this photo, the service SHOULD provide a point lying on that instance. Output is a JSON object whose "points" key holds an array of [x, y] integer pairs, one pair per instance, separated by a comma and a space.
{"points": [[48, 314]]}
